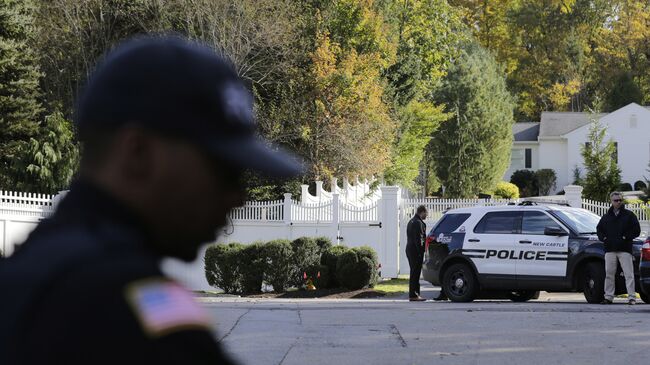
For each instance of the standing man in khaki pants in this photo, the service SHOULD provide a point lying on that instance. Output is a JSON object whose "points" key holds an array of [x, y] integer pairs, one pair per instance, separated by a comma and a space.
{"points": [[617, 228]]}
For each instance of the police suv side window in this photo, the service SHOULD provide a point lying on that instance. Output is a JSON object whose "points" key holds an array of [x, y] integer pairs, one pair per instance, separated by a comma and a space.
{"points": [[499, 223], [535, 222], [450, 223]]}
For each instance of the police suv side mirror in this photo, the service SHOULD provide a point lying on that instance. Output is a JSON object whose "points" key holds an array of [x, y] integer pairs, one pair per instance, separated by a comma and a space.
{"points": [[554, 231]]}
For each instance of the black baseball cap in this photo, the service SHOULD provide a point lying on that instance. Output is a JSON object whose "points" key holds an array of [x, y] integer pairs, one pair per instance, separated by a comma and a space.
{"points": [[181, 88]]}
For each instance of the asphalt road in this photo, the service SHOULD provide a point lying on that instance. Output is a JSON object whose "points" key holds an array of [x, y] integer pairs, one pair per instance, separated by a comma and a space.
{"points": [[556, 329]]}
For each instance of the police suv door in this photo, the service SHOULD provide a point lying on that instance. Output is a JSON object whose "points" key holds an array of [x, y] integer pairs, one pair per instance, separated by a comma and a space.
{"points": [[541, 255], [490, 243]]}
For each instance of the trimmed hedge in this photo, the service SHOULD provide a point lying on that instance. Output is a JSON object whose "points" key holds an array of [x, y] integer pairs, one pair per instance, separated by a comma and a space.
{"points": [[353, 271], [252, 265], [222, 267], [330, 258], [324, 244], [371, 254], [238, 268], [305, 254], [279, 265]]}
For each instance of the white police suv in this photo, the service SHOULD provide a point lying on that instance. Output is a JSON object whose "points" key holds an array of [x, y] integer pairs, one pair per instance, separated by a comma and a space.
{"points": [[514, 251]]}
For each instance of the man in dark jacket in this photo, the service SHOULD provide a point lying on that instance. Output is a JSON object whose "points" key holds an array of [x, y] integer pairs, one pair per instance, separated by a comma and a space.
{"points": [[167, 130], [617, 228], [416, 232]]}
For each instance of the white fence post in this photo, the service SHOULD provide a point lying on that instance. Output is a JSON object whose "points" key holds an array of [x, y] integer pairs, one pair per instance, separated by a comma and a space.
{"points": [[390, 201], [334, 230], [573, 195], [334, 186], [304, 192], [286, 212], [319, 188]]}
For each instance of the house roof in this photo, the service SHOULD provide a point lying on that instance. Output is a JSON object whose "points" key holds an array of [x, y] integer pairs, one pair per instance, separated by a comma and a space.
{"points": [[555, 124], [524, 132]]}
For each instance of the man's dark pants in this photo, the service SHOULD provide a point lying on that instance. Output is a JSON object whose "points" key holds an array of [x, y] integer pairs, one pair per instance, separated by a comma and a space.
{"points": [[415, 264]]}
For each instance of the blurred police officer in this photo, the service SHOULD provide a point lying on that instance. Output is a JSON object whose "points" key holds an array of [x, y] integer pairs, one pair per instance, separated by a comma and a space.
{"points": [[416, 232], [167, 130]]}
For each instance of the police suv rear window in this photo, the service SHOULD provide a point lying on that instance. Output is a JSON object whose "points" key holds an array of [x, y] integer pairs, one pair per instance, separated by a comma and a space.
{"points": [[450, 223], [499, 223]]}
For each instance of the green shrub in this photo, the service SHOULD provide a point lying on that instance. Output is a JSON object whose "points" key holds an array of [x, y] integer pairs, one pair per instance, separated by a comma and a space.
{"points": [[640, 186], [222, 267], [371, 254], [546, 181], [506, 190], [330, 258], [526, 181], [252, 264], [324, 244], [279, 265], [320, 281], [625, 187], [632, 201], [304, 255], [352, 271]]}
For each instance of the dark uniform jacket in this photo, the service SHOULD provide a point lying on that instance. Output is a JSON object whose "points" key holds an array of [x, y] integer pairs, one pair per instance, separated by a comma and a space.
{"points": [[416, 232], [86, 288], [618, 231]]}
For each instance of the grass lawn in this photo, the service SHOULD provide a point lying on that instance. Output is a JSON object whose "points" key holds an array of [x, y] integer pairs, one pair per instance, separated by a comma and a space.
{"points": [[393, 286]]}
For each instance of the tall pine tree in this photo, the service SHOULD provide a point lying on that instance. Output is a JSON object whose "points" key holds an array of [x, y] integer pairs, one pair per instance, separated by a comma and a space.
{"points": [[472, 148], [20, 108]]}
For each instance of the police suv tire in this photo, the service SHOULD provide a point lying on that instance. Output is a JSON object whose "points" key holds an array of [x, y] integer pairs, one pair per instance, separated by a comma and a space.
{"points": [[645, 298], [593, 282], [523, 295], [460, 283]]}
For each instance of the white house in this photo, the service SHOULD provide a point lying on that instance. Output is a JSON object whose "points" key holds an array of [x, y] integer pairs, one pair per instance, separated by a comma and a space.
{"points": [[555, 142]]}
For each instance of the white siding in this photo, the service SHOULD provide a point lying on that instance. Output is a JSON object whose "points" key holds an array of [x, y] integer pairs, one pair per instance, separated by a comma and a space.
{"points": [[553, 155], [630, 128]]}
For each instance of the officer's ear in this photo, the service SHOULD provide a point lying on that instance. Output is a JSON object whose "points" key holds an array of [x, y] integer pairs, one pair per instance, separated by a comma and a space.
{"points": [[135, 151]]}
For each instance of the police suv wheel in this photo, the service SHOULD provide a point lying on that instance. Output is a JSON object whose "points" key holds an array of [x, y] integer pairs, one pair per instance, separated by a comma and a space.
{"points": [[523, 295], [593, 282], [459, 283]]}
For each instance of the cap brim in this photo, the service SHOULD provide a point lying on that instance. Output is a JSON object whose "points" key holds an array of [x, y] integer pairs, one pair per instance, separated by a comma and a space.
{"points": [[254, 154]]}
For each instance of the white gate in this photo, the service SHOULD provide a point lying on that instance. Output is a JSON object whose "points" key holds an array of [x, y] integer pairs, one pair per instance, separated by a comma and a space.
{"points": [[362, 226]]}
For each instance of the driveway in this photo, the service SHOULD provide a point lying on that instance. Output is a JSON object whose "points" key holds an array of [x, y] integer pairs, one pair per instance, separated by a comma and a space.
{"points": [[556, 329]]}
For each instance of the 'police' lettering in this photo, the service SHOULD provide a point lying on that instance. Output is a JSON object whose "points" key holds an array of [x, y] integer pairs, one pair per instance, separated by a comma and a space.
{"points": [[541, 255], [491, 253], [529, 255]]}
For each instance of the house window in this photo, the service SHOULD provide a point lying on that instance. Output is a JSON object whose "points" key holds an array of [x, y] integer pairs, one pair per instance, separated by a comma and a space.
{"points": [[517, 159], [529, 158]]}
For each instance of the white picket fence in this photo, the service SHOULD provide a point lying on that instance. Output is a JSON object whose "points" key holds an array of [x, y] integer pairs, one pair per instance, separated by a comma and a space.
{"points": [[265, 211], [362, 218], [436, 207], [25, 204], [642, 211]]}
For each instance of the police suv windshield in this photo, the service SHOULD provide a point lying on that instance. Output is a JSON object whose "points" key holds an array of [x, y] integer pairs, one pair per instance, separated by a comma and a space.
{"points": [[581, 221]]}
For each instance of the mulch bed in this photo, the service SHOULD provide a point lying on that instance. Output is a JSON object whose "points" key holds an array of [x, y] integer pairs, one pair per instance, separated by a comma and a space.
{"points": [[323, 293]]}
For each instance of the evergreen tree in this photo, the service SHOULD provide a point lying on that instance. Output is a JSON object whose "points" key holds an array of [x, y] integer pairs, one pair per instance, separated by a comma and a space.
{"points": [[472, 148], [51, 160], [625, 91], [19, 91], [602, 174]]}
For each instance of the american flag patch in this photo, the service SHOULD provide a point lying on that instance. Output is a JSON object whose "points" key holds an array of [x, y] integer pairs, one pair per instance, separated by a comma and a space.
{"points": [[163, 306]]}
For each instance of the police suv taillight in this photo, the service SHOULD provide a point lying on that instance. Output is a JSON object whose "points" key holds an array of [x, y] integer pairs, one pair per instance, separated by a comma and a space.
{"points": [[645, 250], [427, 242]]}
